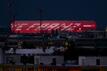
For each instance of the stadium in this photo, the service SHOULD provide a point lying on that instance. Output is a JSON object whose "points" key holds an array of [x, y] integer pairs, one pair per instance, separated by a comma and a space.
{"points": [[53, 45]]}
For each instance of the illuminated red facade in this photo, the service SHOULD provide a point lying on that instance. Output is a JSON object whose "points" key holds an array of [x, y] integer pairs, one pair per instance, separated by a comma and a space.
{"points": [[48, 26]]}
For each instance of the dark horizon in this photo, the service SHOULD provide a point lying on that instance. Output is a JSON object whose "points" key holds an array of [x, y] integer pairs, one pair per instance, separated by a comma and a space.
{"points": [[53, 10]]}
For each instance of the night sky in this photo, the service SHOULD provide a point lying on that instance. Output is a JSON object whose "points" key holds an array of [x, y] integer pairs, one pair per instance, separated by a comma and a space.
{"points": [[54, 10]]}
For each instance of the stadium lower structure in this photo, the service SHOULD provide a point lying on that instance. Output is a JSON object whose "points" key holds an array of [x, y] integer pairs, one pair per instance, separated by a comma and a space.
{"points": [[61, 51]]}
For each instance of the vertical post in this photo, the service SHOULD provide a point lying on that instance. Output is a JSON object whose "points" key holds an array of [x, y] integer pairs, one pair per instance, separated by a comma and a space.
{"points": [[40, 12], [11, 12]]}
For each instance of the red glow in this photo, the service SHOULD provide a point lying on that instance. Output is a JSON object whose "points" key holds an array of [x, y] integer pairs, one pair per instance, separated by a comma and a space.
{"points": [[48, 26]]}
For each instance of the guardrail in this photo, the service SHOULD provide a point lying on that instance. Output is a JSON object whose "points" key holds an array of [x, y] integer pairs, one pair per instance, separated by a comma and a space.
{"points": [[51, 68]]}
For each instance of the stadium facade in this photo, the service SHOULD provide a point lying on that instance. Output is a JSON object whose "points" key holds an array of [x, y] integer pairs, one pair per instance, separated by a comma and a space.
{"points": [[58, 43]]}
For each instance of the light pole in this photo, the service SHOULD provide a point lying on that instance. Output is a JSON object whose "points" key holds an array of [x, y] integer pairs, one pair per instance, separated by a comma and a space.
{"points": [[40, 19], [11, 12]]}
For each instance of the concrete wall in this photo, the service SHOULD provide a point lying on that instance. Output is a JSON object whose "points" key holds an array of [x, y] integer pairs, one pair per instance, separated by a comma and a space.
{"points": [[47, 60], [15, 58], [1, 58], [87, 61], [103, 61]]}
